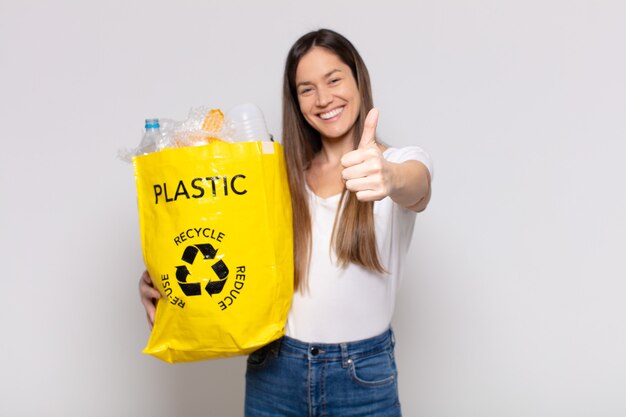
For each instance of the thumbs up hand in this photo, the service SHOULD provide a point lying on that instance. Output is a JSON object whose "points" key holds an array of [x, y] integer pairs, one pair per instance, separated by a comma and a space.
{"points": [[366, 172]]}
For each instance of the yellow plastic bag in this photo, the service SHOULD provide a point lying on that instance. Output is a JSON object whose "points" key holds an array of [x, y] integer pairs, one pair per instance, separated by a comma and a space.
{"points": [[217, 240]]}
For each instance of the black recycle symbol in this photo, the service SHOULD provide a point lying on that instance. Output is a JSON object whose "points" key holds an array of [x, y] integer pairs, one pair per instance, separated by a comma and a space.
{"points": [[219, 268]]}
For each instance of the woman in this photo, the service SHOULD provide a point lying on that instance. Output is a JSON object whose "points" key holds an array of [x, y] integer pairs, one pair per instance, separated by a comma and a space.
{"points": [[337, 355]]}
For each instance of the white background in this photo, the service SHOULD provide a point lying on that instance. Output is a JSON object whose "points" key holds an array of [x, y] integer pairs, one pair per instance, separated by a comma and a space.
{"points": [[514, 300]]}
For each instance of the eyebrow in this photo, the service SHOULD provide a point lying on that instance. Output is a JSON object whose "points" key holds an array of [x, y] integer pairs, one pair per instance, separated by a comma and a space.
{"points": [[328, 74]]}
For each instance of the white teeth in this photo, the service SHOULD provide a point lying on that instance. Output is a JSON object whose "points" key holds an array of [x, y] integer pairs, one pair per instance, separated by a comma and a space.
{"points": [[331, 114]]}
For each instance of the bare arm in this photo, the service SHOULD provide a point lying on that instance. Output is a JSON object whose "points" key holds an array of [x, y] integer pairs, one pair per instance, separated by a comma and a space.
{"points": [[368, 174], [410, 185]]}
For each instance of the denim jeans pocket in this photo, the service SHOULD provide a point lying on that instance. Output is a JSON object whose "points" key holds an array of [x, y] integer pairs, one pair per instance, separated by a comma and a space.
{"points": [[373, 370], [259, 357]]}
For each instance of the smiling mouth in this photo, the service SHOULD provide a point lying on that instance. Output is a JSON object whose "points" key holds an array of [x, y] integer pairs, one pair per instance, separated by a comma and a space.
{"points": [[331, 114]]}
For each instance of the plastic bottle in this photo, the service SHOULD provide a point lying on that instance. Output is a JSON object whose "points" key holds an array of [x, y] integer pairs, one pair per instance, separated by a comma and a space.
{"points": [[247, 123], [152, 139]]}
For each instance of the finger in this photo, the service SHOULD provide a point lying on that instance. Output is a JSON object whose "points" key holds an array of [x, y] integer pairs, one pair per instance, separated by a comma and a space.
{"points": [[369, 167], [153, 293], [353, 158], [149, 305], [150, 316], [149, 292], [368, 138], [150, 320], [151, 313], [145, 277], [367, 188], [369, 195], [364, 191], [355, 171], [146, 290], [358, 156], [361, 184]]}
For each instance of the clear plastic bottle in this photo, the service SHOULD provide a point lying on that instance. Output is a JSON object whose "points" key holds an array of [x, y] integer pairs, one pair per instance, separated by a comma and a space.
{"points": [[247, 123], [152, 139]]}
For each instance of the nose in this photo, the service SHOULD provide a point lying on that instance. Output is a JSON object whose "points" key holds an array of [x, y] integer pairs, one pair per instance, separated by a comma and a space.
{"points": [[324, 97]]}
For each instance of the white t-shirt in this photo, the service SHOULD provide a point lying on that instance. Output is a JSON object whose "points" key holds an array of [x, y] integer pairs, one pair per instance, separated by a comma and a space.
{"points": [[352, 303]]}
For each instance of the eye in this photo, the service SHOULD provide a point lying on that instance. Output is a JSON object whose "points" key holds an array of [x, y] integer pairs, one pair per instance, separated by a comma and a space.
{"points": [[304, 91], [334, 81]]}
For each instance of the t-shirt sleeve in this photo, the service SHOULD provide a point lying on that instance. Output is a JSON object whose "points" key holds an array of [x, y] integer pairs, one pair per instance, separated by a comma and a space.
{"points": [[410, 153]]}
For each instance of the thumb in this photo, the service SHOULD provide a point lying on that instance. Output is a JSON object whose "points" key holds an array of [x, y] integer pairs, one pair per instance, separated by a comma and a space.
{"points": [[368, 138]]}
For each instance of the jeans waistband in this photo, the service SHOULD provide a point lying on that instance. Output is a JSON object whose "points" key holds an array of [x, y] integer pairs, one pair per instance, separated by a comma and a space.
{"points": [[335, 351]]}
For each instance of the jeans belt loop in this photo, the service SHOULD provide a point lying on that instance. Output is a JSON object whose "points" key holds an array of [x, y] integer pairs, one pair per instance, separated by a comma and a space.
{"points": [[345, 355]]}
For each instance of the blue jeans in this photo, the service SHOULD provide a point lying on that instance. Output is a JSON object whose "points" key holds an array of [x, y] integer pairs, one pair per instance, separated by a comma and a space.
{"points": [[293, 378]]}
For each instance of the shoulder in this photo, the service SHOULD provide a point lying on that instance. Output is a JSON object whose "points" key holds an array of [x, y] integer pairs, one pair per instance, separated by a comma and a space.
{"points": [[409, 153]]}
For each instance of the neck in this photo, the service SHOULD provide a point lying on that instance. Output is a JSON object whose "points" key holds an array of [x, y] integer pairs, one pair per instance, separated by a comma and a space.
{"points": [[331, 153], [334, 148]]}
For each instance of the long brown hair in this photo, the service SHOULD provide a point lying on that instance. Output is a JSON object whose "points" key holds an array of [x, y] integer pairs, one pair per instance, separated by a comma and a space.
{"points": [[354, 240]]}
